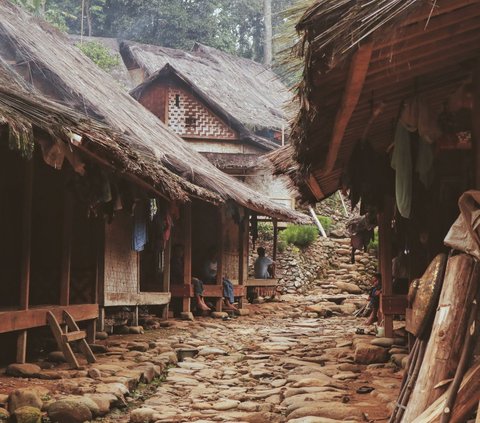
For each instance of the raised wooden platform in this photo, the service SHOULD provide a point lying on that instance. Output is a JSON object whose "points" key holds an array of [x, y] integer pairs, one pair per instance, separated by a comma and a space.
{"points": [[136, 299], [14, 319], [261, 282], [211, 291]]}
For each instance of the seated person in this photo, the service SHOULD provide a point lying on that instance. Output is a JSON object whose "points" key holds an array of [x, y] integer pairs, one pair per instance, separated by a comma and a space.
{"points": [[177, 276], [210, 269], [374, 300], [263, 268]]}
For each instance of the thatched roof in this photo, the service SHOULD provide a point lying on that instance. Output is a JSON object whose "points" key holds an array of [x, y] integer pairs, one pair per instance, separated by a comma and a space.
{"points": [[244, 91], [119, 72], [40, 53], [361, 58]]}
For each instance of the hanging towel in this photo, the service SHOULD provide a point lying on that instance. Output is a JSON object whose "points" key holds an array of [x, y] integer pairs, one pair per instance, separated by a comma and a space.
{"points": [[424, 166], [402, 163], [140, 233]]}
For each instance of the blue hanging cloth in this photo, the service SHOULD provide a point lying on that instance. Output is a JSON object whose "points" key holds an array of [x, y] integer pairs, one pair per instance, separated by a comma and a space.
{"points": [[140, 233]]}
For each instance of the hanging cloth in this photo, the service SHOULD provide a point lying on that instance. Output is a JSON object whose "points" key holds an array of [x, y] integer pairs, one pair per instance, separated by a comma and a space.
{"points": [[402, 164], [140, 232]]}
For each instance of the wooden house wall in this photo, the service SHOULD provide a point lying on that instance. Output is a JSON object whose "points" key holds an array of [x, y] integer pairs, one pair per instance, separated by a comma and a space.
{"points": [[231, 251], [12, 170], [121, 262]]}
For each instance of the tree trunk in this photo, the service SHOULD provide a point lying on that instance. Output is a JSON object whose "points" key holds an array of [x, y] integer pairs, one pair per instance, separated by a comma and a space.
{"points": [[445, 343], [267, 43]]}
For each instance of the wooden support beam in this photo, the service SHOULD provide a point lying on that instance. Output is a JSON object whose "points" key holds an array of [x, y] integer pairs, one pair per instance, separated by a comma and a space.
{"points": [[220, 258], [187, 253], [353, 88], [275, 239], [26, 255], [476, 124], [66, 250], [385, 258], [314, 187], [166, 273]]}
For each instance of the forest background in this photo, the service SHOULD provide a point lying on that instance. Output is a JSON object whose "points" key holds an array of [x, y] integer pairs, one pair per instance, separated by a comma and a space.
{"points": [[234, 26]]}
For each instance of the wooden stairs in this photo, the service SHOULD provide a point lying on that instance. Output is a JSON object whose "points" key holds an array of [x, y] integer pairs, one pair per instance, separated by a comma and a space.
{"points": [[72, 333]]}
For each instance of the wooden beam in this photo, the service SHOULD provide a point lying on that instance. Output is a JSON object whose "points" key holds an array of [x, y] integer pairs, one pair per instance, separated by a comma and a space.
{"points": [[314, 187], [275, 240], [66, 250], [385, 258], [113, 299], [476, 124], [26, 255], [353, 88], [187, 253], [166, 273], [15, 320], [221, 247]]}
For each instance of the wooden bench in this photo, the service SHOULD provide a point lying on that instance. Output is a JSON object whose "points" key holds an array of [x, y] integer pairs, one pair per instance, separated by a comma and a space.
{"points": [[261, 287], [186, 292]]}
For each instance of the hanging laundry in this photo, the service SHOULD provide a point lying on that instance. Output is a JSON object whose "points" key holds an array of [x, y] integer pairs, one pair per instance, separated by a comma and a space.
{"points": [[402, 164], [153, 208], [140, 232]]}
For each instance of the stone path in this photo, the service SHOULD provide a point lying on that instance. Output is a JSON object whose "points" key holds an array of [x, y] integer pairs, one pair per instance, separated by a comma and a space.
{"points": [[281, 363], [297, 361]]}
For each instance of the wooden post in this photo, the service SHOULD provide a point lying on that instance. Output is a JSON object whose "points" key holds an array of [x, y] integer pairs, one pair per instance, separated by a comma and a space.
{"points": [[385, 258], [444, 346], [66, 250], [135, 316], [476, 123], [187, 255], [275, 239], [26, 255], [243, 253], [166, 274], [100, 274], [220, 258]]}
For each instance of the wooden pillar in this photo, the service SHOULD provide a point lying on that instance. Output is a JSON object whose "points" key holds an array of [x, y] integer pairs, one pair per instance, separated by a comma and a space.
{"points": [[100, 273], [166, 274], [135, 316], [220, 258], [66, 250], [476, 124], [187, 254], [26, 256], [385, 258], [243, 253], [275, 239]]}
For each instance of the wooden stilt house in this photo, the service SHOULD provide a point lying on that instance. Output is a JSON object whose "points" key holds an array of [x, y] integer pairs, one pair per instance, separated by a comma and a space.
{"points": [[101, 169], [390, 113]]}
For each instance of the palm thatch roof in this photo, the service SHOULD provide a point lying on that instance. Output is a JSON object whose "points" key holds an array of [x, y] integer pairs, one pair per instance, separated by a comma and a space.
{"points": [[361, 59], [44, 57], [246, 93]]}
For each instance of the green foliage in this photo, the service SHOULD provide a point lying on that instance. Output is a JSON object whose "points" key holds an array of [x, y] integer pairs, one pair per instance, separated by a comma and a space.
{"points": [[373, 245], [99, 55], [265, 231], [326, 222], [281, 246], [299, 235]]}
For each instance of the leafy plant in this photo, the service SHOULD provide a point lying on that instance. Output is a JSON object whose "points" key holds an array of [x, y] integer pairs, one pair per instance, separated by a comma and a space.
{"points": [[299, 235], [326, 222], [265, 231], [281, 246], [99, 54]]}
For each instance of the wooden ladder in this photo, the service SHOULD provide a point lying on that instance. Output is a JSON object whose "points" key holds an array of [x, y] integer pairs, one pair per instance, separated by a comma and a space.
{"points": [[72, 334]]}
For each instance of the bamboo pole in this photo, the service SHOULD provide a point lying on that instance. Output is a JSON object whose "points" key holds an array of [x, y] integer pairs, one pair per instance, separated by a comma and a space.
{"points": [[317, 222]]}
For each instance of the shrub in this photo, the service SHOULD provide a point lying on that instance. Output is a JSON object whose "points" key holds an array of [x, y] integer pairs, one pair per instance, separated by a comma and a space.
{"points": [[281, 246], [326, 222], [299, 235], [99, 54]]}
